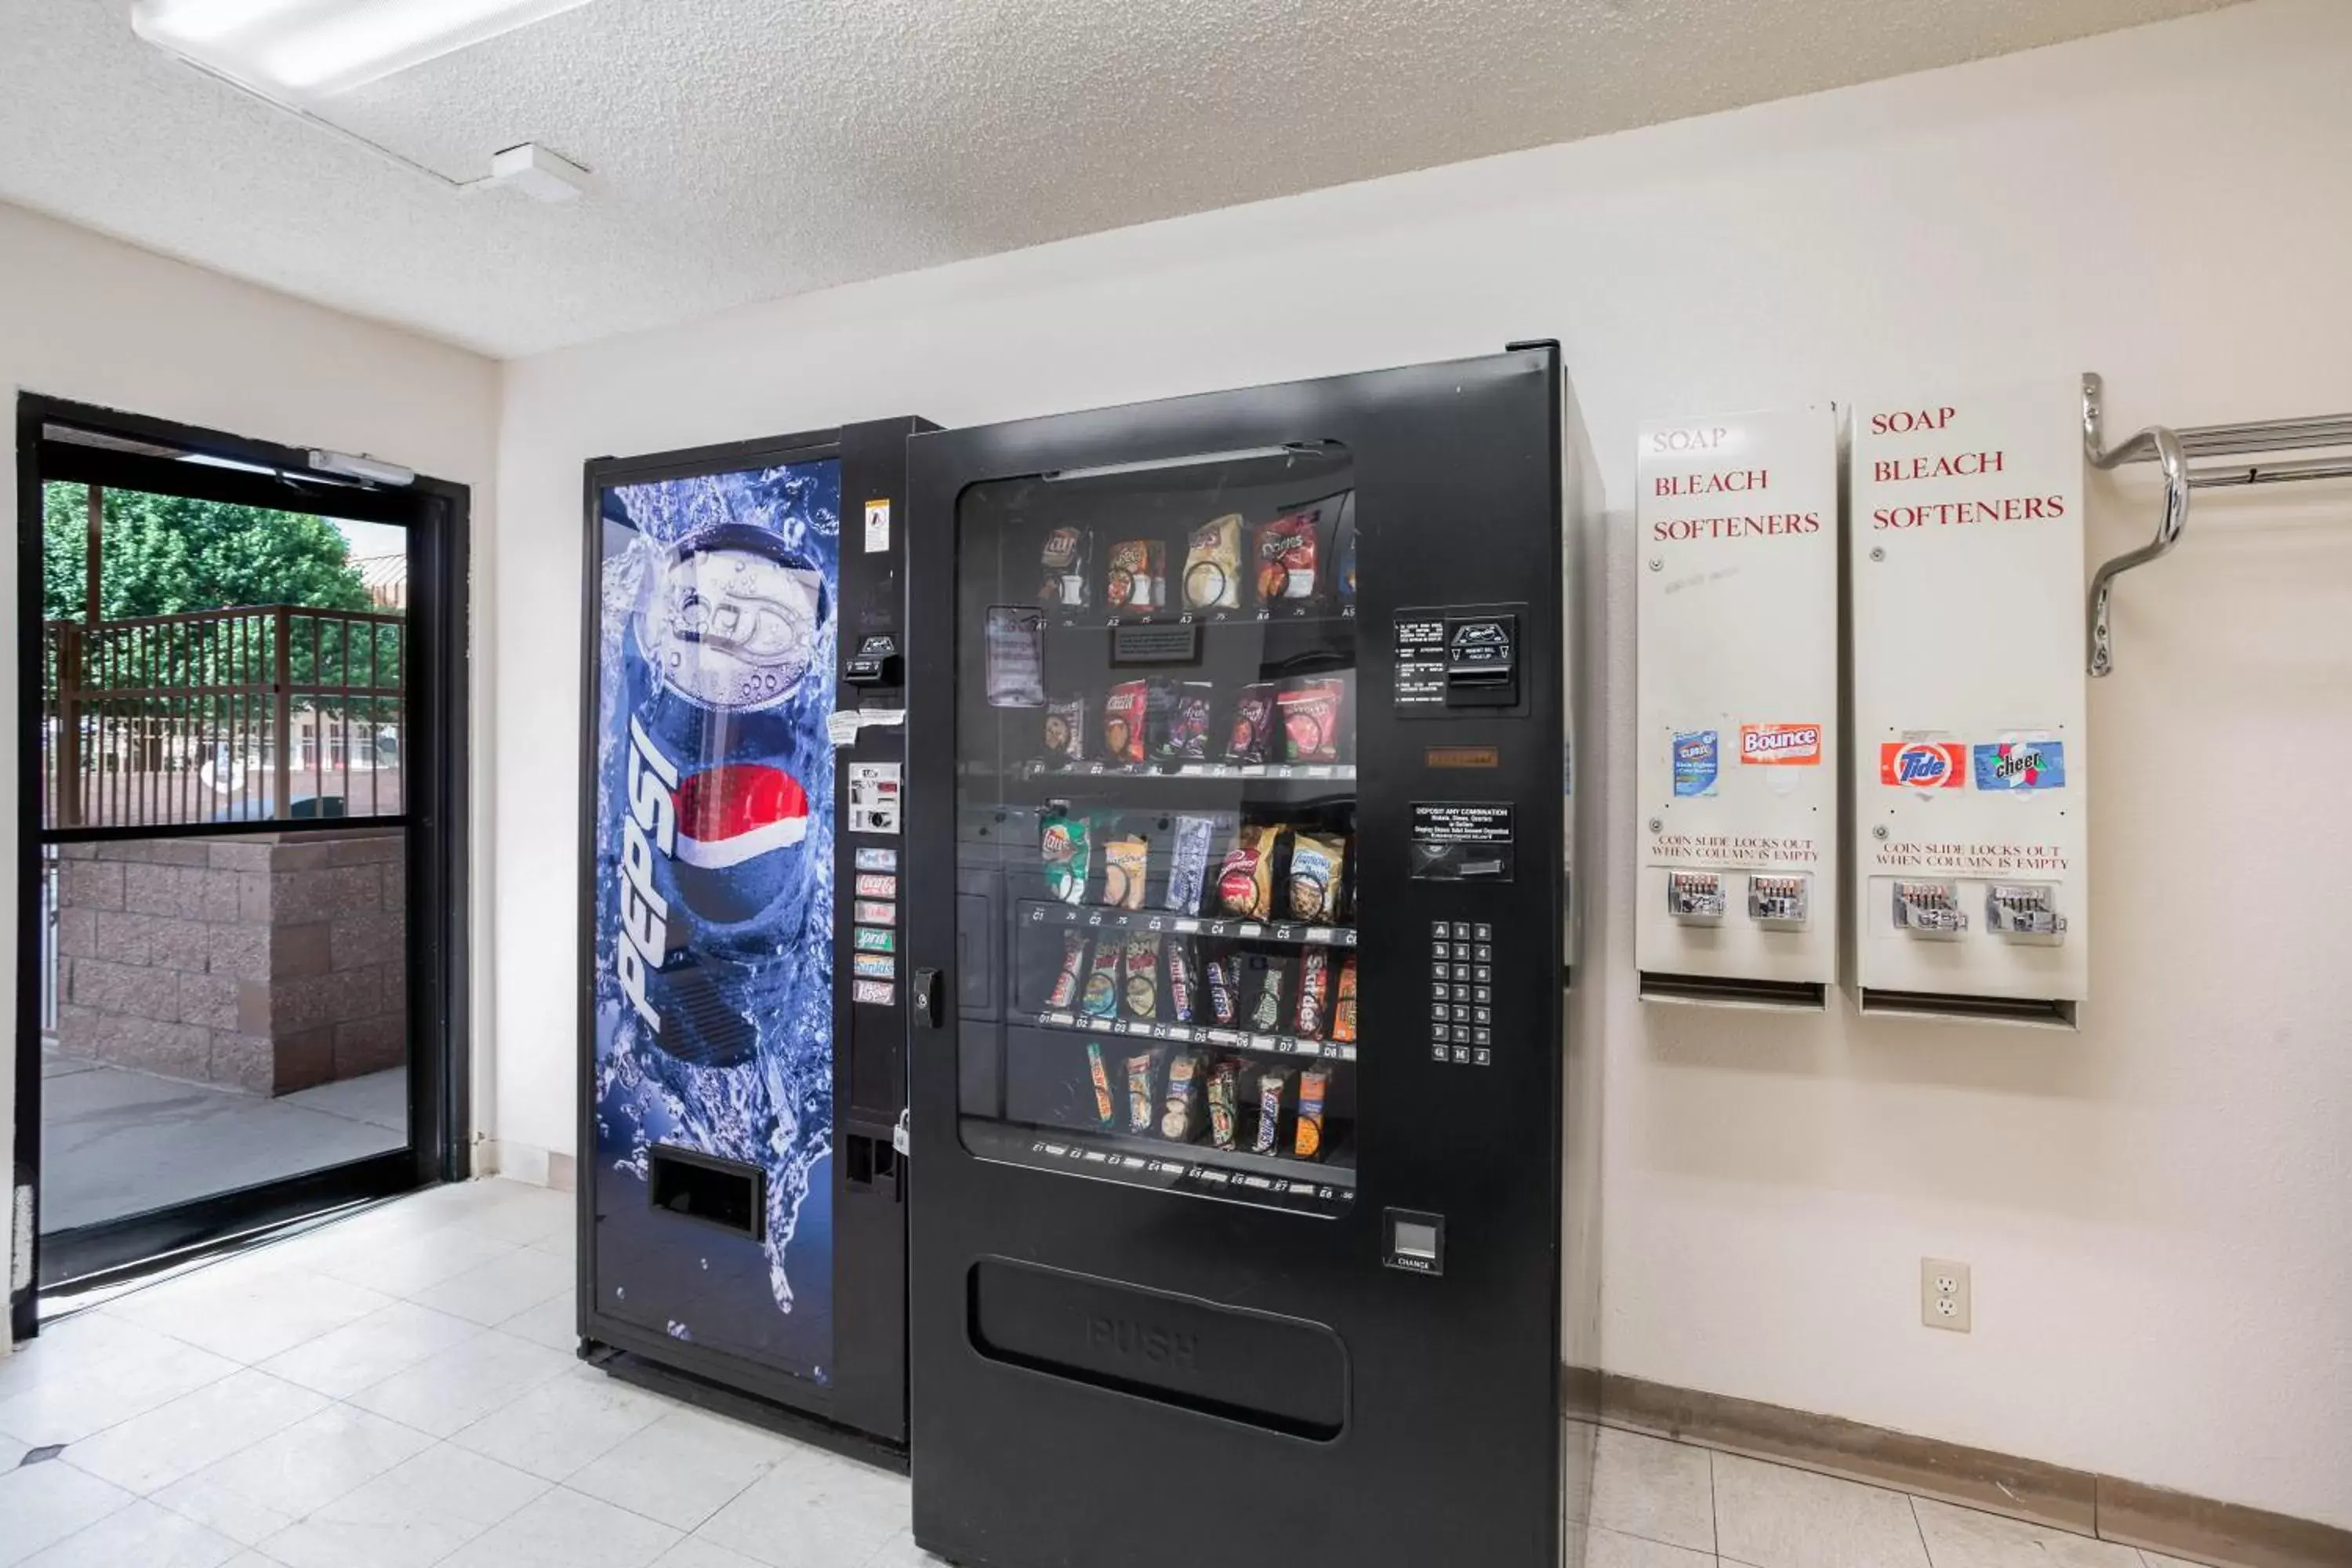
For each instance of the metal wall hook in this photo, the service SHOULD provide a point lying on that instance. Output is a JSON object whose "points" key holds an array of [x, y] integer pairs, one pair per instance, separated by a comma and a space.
{"points": [[2159, 442]]}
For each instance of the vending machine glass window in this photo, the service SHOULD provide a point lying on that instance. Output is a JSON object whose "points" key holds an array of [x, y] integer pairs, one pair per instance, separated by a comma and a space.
{"points": [[1156, 797]]}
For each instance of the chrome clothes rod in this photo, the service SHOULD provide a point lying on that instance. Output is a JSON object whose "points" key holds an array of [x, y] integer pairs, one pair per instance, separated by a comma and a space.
{"points": [[2172, 449]]}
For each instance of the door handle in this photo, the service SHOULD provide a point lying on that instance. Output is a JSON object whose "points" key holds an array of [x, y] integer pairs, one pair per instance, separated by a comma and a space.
{"points": [[930, 999]]}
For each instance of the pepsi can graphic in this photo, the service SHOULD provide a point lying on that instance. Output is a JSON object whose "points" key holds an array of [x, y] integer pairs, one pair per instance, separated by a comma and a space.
{"points": [[714, 828]]}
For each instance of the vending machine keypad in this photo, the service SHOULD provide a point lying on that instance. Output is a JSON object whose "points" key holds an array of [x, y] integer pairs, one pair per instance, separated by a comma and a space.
{"points": [[1462, 992]]}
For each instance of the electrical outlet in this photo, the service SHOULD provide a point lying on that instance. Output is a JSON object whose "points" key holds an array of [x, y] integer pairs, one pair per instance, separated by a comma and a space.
{"points": [[1944, 1294]]}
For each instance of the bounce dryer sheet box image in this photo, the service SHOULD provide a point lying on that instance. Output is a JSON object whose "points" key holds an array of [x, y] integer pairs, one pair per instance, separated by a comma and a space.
{"points": [[1737, 800], [1971, 766]]}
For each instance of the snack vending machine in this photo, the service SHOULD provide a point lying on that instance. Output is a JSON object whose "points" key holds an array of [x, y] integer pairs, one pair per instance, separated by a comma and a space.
{"points": [[1236, 903], [742, 1021]]}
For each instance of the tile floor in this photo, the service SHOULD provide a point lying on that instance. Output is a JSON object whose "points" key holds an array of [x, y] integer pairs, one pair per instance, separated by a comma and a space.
{"points": [[116, 1142], [398, 1389]]}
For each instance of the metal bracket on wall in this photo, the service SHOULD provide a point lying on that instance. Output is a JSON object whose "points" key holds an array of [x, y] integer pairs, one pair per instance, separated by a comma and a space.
{"points": [[2171, 449]]}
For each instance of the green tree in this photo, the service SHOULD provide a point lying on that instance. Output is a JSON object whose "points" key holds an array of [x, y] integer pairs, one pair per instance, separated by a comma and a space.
{"points": [[163, 555]]}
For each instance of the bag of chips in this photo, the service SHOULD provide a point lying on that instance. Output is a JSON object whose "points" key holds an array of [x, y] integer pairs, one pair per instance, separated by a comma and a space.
{"points": [[1100, 999], [1064, 560], [1285, 552], [1312, 712], [1126, 861], [1245, 884], [1142, 1078], [1135, 575], [1313, 879], [1125, 716], [1141, 994], [1068, 856], [1251, 738], [1066, 730], [1185, 736], [1213, 566]]}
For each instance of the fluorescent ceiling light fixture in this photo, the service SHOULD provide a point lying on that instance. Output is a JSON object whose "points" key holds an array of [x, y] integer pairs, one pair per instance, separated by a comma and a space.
{"points": [[307, 49]]}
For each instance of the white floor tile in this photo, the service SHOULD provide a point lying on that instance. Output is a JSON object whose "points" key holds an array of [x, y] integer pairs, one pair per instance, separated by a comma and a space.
{"points": [[555, 1322], [813, 1513], [139, 1536], [257, 1492], [248, 1316], [252, 1560], [518, 1212], [84, 1376], [2155, 1559], [899, 1552], [1770, 1516], [1609, 1549], [44, 1503], [500, 1288], [1966, 1538], [563, 1424], [567, 1530], [408, 1266], [179, 1439], [695, 1553], [1652, 1489], [391, 1339], [452, 1390], [415, 1513], [683, 1469]]}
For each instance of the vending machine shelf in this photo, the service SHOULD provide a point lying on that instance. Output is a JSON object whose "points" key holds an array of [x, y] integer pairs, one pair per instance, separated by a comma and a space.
{"points": [[1327, 1186]]}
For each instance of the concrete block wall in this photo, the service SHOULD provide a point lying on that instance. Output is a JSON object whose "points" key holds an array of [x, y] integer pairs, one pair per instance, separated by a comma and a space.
{"points": [[266, 963]]}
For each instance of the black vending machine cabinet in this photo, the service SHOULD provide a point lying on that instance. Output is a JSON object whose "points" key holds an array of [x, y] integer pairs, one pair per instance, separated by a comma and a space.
{"points": [[742, 1019], [1235, 904]]}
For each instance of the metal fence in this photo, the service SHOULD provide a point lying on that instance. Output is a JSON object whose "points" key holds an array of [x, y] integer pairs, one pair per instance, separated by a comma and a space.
{"points": [[261, 713]]}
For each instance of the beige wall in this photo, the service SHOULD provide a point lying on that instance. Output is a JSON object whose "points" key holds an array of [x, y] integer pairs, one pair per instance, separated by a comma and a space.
{"points": [[87, 318], [2157, 1209]]}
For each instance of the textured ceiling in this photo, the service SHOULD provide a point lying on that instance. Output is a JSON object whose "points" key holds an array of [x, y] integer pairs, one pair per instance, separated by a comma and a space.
{"points": [[747, 149]]}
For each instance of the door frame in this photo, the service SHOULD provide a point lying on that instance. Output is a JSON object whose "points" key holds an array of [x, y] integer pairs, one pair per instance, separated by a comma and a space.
{"points": [[436, 813]]}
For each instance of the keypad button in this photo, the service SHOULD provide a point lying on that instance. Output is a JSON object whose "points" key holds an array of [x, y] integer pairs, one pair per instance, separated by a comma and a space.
{"points": [[1439, 928], [1482, 1057], [1481, 1015], [1482, 994], [1482, 974], [1485, 933], [1484, 954], [1482, 1036], [1437, 1051], [1440, 950], [1441, 992], [1440, 971], [1461, 931], [1462, 1055]]}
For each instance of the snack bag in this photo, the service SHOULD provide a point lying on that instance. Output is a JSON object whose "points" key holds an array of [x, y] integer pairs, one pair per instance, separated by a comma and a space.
{"points": [[1125, 863], [1311, 714], [1266, 1012], [1142, 1078], [1066, 730], [1224, 1090], [1245, 885], [1125, 713], [1064, 845], [1314, 992], [1286, 557], [1251, 738], [1071, 979], [1100, 998], [1013, 643], [1184, 738], [1135, 575], [1106, 1103], [1347, 548], [1141, 992], [1314, 878], [1180, 1116], [1271, 1085], [1184, 981], [1188, 867], [1213, 566], [1064, 560], [1306, 1135], [1343, 1010]]}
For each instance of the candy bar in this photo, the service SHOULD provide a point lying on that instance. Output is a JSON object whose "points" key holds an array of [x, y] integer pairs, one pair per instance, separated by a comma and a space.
{"points": [[1072, 977], [1343, 1009], [1142, 1078], [1224, 1090], [1141, 993], [1106, 1103], [1184, 981], [1273, 976], [1188, 866], [1314, 992], [1224, 989], [1270, 1086], [1306, 1135], [1180, 1114]]}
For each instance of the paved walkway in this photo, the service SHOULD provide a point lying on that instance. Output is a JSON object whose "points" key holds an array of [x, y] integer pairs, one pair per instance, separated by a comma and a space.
{"points": [[117, 1141]]}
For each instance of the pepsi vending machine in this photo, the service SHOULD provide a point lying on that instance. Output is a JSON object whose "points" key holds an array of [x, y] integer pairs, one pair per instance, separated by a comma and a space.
{"points": [[1238, 913], [742, 1218]]}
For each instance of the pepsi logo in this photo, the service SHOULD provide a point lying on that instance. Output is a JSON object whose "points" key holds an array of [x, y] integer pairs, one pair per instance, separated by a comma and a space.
{"points": [[738, 812]]}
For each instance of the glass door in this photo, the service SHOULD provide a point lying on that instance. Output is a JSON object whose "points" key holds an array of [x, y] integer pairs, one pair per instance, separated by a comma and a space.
{"points": [[1156, 825]]}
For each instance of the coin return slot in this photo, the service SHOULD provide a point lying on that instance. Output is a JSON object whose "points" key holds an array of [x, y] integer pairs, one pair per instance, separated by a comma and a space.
{"points": [[717, 1192]]}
